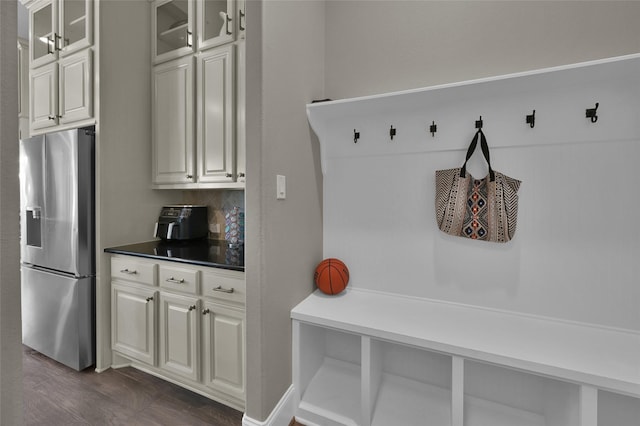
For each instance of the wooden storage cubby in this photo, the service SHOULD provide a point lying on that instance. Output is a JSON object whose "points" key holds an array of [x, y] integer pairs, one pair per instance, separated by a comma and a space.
{"points": [[498, 396]]}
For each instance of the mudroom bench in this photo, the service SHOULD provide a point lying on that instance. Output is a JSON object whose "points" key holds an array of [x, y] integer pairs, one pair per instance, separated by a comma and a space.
{"points": [[370, 358]]}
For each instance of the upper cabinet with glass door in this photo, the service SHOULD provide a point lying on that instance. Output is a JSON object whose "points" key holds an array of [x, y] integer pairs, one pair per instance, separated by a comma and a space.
{"points": [[59, 28], [172, 22], [181, 27], [216, 22]]}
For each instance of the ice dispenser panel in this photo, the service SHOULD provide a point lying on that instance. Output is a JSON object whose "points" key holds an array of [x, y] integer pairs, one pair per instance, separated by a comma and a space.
{"points": [[33, 218]]}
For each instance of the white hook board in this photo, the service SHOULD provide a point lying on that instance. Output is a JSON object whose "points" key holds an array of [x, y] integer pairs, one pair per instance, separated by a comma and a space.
{"points": [[574, 255]]}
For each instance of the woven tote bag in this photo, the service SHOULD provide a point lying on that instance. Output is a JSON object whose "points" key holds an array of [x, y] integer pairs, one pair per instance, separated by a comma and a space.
{"points": [[480, 209]]}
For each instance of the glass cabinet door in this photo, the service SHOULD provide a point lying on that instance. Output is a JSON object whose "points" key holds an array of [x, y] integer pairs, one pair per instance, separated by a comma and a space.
{"points": [[75, 22], [43, 34], [173, 34], [217, 22]]}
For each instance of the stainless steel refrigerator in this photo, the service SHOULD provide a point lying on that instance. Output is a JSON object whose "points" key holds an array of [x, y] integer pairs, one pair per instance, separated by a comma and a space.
{"points": [[58, 245]]}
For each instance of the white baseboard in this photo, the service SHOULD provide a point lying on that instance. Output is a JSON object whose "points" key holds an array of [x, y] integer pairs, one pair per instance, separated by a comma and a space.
{"points": [[281, 415]]}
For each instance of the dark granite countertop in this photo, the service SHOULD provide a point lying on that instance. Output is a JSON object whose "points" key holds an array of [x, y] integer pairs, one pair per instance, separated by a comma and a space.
{"points": [[204, 252]]}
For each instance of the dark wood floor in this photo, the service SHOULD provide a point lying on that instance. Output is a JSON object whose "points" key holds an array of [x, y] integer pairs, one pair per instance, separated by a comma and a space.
{"points": [[57, 395]]}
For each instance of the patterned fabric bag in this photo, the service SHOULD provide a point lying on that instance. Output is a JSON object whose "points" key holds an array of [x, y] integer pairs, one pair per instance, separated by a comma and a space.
{"points": [[481, 209]]}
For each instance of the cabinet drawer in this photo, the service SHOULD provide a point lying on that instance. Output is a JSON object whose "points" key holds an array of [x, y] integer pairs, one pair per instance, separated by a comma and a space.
{"points": [[132, 269], [224, 285], [179, 279]]}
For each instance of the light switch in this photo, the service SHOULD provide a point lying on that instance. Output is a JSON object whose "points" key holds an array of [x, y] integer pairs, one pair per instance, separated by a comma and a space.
{"points": [[281, 187]]}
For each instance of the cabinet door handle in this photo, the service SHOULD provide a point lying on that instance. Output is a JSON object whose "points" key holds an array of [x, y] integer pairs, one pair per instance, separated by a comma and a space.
{"points": [[50, 42], [189, 176], [241, 18], [192, 307], [58, 42], [223, 290], [127, 271], [149, 299], [241, 175], [52, 117], [206, 311], [173, 280], [229, 175], [228, 19], [189, 39]]}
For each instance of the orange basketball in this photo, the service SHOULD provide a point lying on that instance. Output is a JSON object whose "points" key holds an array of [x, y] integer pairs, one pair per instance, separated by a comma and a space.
{"points": [[331, 276]]}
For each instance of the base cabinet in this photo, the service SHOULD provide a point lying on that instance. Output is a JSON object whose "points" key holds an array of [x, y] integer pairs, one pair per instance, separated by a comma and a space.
{"points": [[224, 348], [179, 335], [183, 323], [134, 322]]}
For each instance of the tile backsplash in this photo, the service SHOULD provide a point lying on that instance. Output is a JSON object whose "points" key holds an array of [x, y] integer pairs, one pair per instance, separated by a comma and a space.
{"points": [[217, 201]]}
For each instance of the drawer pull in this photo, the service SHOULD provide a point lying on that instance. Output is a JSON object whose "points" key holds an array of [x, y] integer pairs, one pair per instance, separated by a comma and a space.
{"points": [[173, 280], [206, 311], [223, 290], [192, 307], [127, 271], [149, 299]]}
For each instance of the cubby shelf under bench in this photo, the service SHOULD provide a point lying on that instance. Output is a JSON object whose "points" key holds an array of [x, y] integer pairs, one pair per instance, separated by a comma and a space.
{"points": [[372, 358]]}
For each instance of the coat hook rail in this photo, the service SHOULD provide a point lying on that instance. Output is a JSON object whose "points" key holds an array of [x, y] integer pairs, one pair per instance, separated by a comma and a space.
{"points": [[592, 113], [531, 119], [392, 132], [433, 128], [356, 136]]}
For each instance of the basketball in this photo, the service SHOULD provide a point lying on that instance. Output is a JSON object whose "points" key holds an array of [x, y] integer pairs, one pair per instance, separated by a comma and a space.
{"points": [[331, 276]]}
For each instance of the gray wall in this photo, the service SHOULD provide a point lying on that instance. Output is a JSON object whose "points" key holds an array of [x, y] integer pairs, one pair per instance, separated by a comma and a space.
{"points": [[383, 46], [10, 330], [370, 47], [285, 71]]}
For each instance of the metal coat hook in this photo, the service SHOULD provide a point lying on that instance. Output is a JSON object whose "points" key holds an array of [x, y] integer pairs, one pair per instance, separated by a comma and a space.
{"points": [[356, 136], [392, 132], [479, 123], [592, 113], [433, 128], [531, 119]]}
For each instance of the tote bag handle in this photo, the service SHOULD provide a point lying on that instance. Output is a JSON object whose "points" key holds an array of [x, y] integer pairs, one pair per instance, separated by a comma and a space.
{"points": [[485, 150]]}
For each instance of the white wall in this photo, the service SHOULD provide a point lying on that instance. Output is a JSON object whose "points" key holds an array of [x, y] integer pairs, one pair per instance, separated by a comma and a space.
{"points": [[10, 330]]}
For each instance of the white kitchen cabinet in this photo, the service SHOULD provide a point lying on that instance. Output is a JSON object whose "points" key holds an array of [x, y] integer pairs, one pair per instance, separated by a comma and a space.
{"points": [[205, 154], [43, 94], [183, 322], [60, 62], [182, 27], [215, 141], [61, 92], [133, 327], [134, 298], [173, 121], [179, 335], [172, 29], [23, 88], [224, 340], [59, 28], [217, 22]]}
